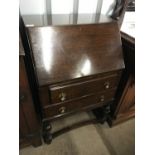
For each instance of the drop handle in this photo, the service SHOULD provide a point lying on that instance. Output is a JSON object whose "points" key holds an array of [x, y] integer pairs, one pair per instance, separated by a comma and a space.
{"points": [[102, 98], [62, 96], [62, 110], [107, 85]]}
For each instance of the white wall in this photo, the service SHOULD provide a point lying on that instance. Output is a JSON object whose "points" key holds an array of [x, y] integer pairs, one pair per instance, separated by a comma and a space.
{"points": [[87, 6], [62, 6], [32, 7]]}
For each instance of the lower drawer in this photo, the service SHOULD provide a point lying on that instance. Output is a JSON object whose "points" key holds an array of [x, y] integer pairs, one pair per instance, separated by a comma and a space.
{"points": [[60, 109]]}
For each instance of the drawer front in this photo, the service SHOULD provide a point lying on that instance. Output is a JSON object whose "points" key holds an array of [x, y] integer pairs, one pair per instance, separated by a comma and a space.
{"points": [[76, 90], [60, 109]]}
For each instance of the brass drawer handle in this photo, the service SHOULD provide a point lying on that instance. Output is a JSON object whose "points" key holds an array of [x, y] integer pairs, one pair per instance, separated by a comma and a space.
{"points": [[107, 85], [62, 96], [62, 110], [102, 98]]}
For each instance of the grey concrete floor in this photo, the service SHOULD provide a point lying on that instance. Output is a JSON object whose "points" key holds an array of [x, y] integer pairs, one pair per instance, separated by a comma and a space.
{"points": [[91, 139]]}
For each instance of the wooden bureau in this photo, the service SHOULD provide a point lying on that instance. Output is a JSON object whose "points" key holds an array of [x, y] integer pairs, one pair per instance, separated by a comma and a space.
{"points": [[77, 67]]}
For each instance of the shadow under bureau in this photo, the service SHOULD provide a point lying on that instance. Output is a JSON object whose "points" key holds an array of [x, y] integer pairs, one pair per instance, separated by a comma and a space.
{"points": [[77, 67]]}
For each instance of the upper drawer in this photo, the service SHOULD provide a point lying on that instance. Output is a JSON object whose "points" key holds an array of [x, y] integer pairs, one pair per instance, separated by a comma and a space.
{"points": [[70, 91]]}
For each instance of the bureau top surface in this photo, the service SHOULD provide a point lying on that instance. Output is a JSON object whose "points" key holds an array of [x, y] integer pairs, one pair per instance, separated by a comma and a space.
{"points": [[64, 53]]}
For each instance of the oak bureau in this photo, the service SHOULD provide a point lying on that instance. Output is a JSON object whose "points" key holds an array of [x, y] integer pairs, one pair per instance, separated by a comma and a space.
{"points": [[77, 67]]}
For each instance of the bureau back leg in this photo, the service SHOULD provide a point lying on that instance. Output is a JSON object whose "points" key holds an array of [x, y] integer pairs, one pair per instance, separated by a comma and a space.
{"points": [[47, 135], [102, 113]]}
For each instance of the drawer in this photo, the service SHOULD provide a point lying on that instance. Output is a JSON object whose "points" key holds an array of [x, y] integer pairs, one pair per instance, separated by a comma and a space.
{"points": [[60, 109], [71, 91]]}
